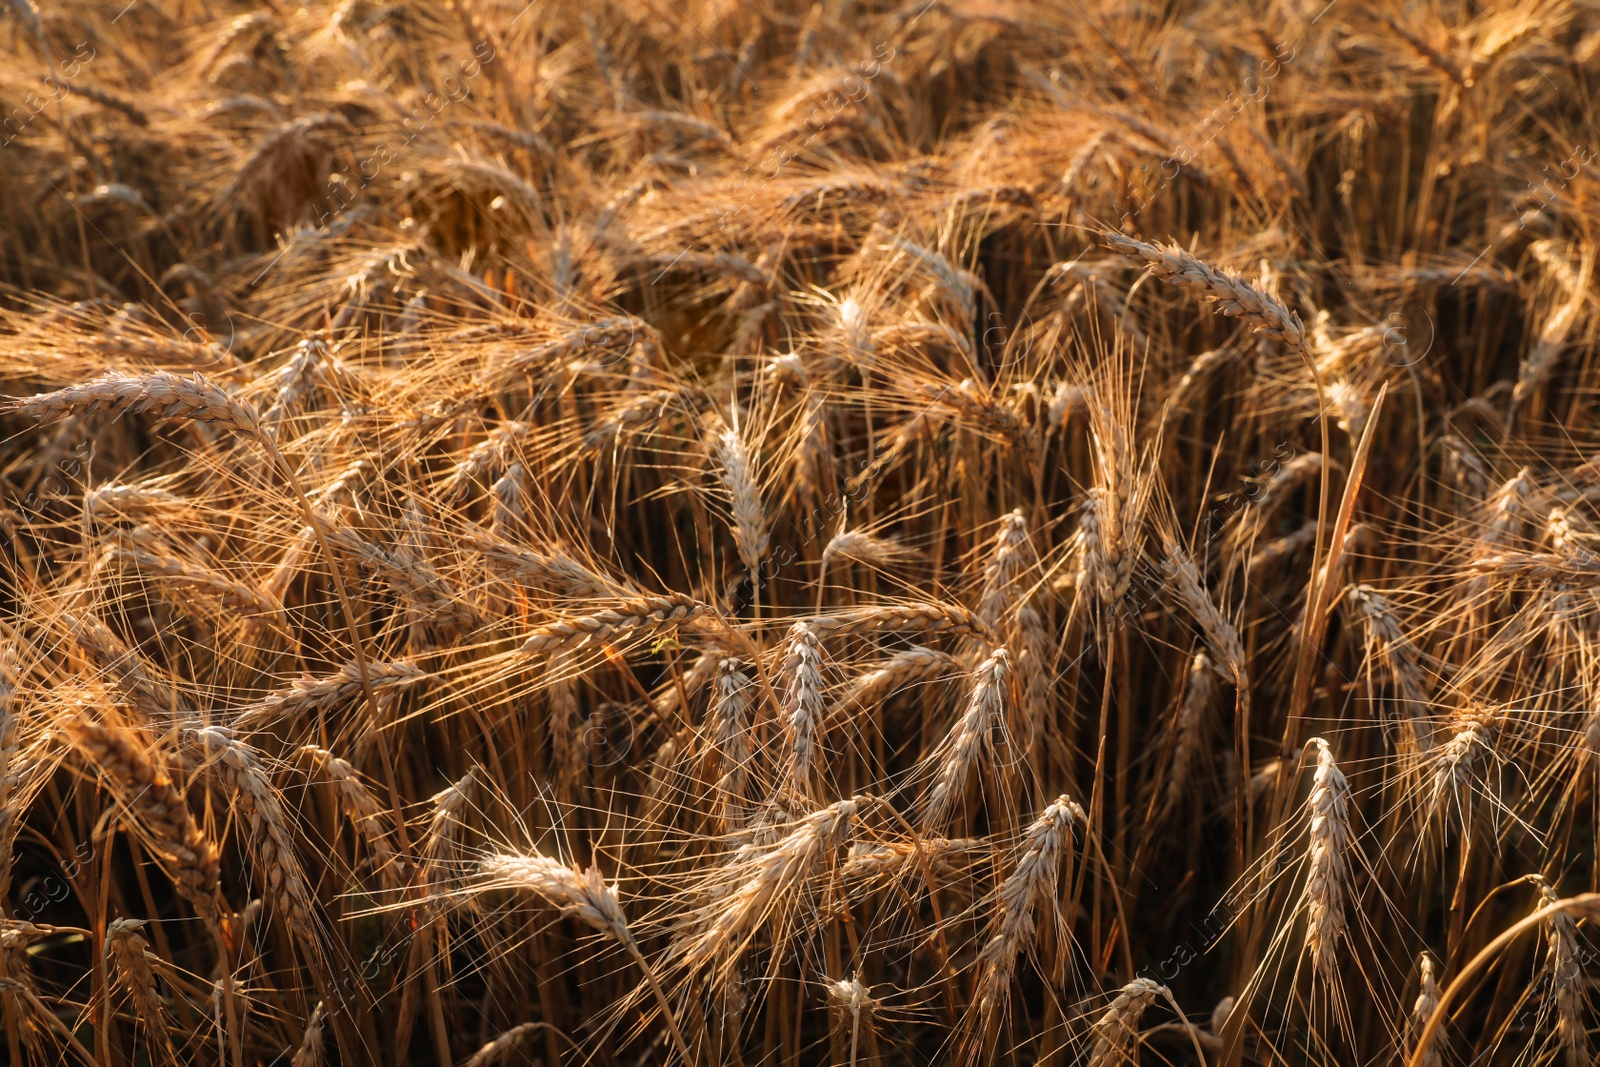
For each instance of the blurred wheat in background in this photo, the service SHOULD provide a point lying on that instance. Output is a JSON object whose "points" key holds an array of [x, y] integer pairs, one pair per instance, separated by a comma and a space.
{"points": [[978, 532]]}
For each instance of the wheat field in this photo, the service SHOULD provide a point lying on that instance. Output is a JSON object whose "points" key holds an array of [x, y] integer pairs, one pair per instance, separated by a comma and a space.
{"points": [[855, 533]]}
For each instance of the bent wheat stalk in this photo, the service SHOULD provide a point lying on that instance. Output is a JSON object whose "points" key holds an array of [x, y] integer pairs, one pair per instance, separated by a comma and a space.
{"points": [[1584, 905]]}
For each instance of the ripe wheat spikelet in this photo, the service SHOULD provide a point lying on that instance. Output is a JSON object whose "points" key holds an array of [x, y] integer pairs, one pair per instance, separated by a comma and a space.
{"points": [[1116, 1032], [1566, 983], [986, 708], [131, 954], [631, 616], [1031, 883], [1328, 887], [158, 806], [272, 836], [771, 876], [1265, 313], [583, 895], [731, 709], [803, 706], [1422, 1010], [164, 394], [749, 523]]}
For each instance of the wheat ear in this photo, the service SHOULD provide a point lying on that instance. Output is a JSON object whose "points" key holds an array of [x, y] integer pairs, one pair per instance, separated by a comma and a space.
{"points": [[312, 1052], [585, 896], [631, 617], [270, 834], [802, 706], [1221, 635], [1012, 552], [1400, 656], [1199, 692], [497, 1050], [903, 618], [161, 393], [361, 808], [308, 696], [1032, 882], [1328, 879], [968, 738], [1564, 960], [731, 716], [1426, 1004], [131, 954], [777, 873], [738, 477], [1116, 1032], [913, 665], [1265, 313], [160, 809], [556, 572], [849, 999]]}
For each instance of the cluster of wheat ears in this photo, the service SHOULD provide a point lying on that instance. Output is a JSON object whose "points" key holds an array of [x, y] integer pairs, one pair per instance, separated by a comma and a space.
{"points": [[988, 532]]}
